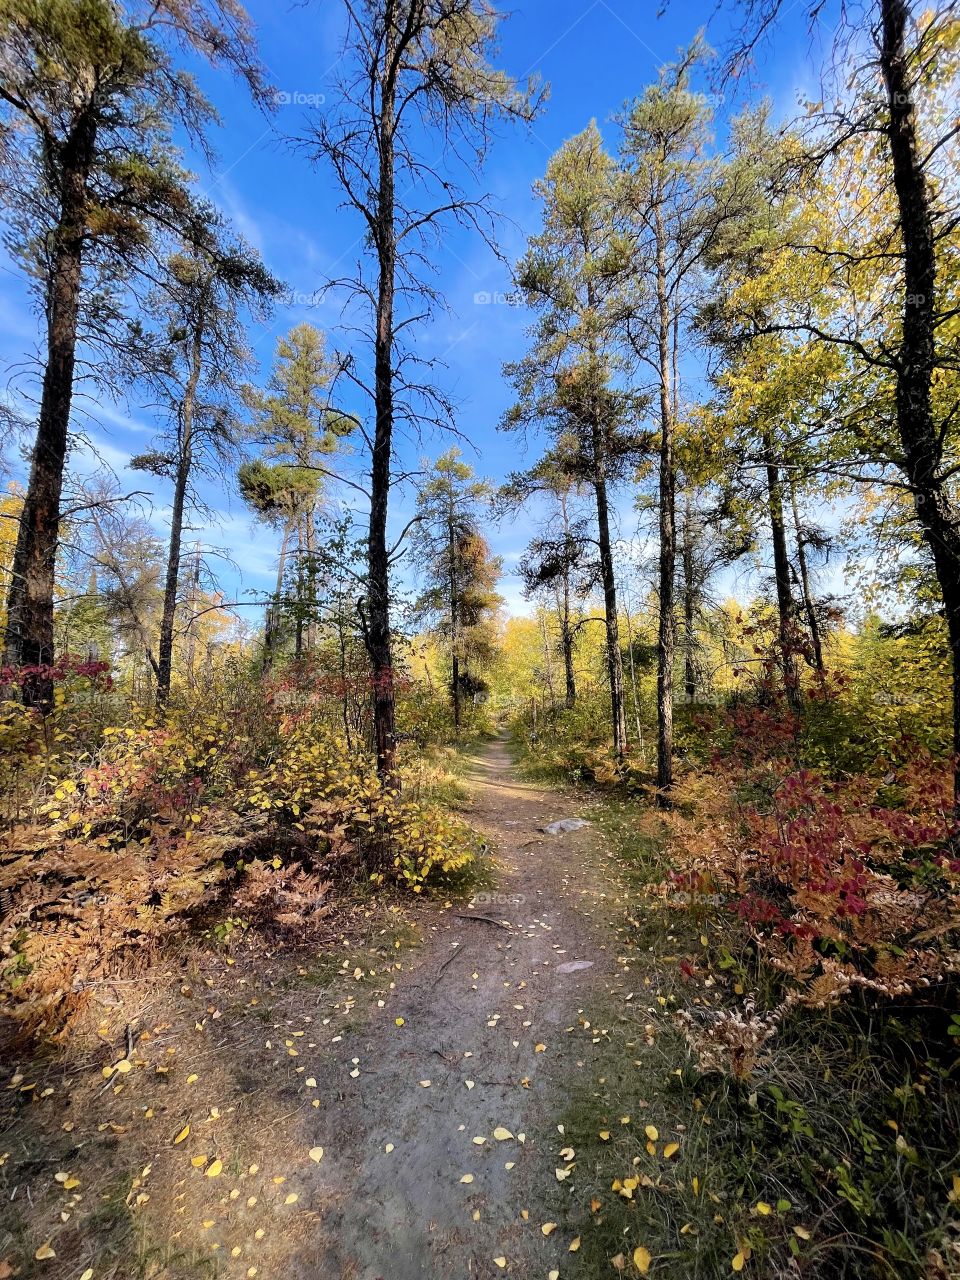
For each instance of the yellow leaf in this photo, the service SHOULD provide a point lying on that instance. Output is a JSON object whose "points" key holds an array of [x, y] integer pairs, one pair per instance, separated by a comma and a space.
{"points": [[198, 1161], [539, 1048], [123, 1066], [184, 1132], [604, 1135], [642, 1259], [316, 1154], [801, 1233], [574, 1245], [501, 1134], [763, 1208], [292, 1198], [215, 1169], [44, 1252], [467, 1178], [670, 1149], [739, 1261], [652, 1132], [88, 1274], [399, 1022], [501, 1262], [548, 1227]]}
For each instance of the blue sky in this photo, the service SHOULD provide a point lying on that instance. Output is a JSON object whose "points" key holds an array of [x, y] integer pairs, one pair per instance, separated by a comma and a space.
{"points": [[595, 54]]}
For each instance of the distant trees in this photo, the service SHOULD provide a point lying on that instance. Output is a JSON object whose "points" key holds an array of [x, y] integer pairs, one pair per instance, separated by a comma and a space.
{"points": [[572, 278], [458, 571], [298, 430], [672, 193], [197, 362], [561, 562], [89, 94]]}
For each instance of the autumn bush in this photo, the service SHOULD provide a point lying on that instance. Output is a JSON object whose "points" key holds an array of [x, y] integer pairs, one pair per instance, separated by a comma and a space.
{"points": [[843, 878], [254, 811]]}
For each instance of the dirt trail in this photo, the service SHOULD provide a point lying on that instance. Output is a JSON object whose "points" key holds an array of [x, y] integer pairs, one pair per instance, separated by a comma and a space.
{"points": [[482, 999]]}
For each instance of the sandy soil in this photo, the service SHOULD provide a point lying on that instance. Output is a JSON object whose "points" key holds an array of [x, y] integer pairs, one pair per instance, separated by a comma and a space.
{"points": [[493, 1004], [200, 1153]]}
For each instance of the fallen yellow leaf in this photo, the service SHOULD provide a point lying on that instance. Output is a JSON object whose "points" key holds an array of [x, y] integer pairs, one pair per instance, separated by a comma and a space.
{"points": [[642, 1259]]}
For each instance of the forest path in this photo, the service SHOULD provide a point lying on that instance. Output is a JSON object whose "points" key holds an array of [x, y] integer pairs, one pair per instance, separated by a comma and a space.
{"points": [[494, 1018]]}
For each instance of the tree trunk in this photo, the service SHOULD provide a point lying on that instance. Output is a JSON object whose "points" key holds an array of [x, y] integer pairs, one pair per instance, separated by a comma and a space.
{"points": [[633, 679], [689, 605], [781, 570], [377, 633], [566, 633], [311, 547], [181, 480], [666, 636], [454, 615], [921, 442], [29, 637], [271, 629], [809, 604], [608, 580]]}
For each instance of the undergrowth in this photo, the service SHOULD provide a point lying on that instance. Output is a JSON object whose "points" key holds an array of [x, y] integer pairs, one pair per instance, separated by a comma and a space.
{"points": [[817, 1141]]}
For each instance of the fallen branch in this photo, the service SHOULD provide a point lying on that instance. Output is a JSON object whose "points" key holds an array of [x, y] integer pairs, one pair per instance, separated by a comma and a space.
{"points": [[485, 919]]}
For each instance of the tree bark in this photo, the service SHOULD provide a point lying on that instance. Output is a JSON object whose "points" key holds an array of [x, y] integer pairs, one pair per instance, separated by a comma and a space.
{"points": [[666, 634], [689, 605], [609, 583], [809, 604], [566, 633], [29, 637], [781, 570], [454, 615], [181, 480], [272, 624], [922, 445], [377, 634]]}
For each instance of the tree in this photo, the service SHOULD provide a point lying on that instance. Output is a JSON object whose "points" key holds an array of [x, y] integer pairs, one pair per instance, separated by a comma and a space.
{"points": [[572, 278], [901, 133], [561, 560], [295, 423], [197, 362], [90, 92], [417, 83], [670, 188], [459, 573]]}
